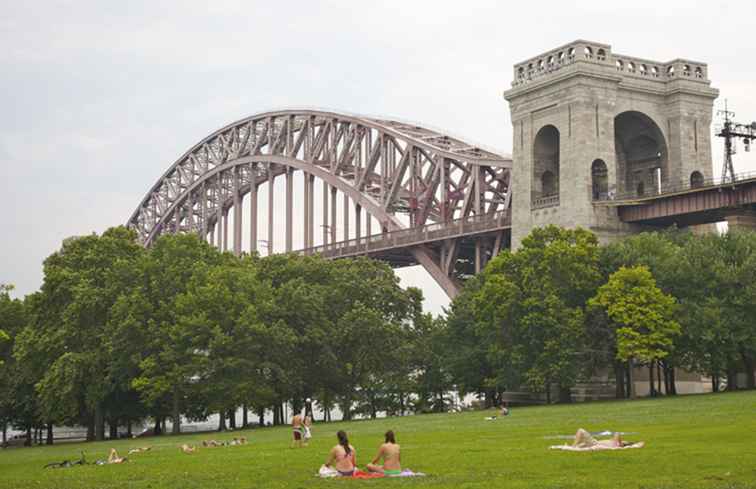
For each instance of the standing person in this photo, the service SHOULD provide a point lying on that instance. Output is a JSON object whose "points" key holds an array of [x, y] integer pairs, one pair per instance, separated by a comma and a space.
{"points": [[307, 432], [390, 452], [342, 456], [297, 431]]}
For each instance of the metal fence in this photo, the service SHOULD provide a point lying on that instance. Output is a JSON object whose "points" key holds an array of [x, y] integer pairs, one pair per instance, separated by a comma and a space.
{"points": [[412, 236], [677, 187]]}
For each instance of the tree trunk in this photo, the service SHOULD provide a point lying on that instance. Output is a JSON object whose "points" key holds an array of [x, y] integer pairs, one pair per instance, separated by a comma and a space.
{"points": [[176, 412], [49, 440], [658, 378], [99, 423], [156, 428], [5, 434], [652, 390], [232, 418], [565, 395], [630, 379], [261, 416], [714, 383], [619, 381], [90, 429], [221, 421], [732, 378], [113, 424], [245, 416], [749, 374], [672, 385], [28, 441], [548, 393], [128, 429]]}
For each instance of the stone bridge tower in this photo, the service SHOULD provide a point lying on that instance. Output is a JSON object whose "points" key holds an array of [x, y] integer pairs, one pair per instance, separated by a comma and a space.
{"points": [[590, 124]]}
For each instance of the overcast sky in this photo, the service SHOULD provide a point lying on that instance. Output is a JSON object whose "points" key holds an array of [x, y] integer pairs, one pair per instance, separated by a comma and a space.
{"points": [[97, 99]]}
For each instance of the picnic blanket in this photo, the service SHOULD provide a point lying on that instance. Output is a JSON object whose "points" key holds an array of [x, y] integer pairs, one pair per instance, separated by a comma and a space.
{"points": [[328, 472], [595, 448]]}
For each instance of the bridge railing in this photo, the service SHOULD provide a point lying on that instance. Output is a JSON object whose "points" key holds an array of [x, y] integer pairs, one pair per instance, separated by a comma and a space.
{"points": [[676, 188], [411, 236]]}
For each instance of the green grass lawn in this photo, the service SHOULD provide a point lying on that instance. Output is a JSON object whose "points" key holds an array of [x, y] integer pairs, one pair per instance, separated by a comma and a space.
{"points": [[706, 441]]}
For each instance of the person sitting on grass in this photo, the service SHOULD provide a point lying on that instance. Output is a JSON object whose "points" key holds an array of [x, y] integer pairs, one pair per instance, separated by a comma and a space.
{"points": [[342, 456], [390, 453], [188, 448]]}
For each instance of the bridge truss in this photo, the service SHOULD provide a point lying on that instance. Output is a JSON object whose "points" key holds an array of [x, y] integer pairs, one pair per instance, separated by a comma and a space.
{"points": [[397, 175]]}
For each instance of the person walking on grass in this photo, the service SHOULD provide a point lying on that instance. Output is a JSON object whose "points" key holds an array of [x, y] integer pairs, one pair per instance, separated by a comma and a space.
{"points": [[297, 427], [343, 456], [306, 429], [390, 452]]}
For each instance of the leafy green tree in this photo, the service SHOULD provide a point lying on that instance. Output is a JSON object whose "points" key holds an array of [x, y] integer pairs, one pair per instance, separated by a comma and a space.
{"points": [[13, 319], [169, 348], [531, 305], [69, 335], [643, 315]]}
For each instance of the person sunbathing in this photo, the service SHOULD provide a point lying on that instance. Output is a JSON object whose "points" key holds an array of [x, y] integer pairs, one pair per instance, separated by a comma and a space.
{"points": [[391, 455], [139, 450], [583, 439], [188, 448], [342, 456], [113, 458], [211, 443]]}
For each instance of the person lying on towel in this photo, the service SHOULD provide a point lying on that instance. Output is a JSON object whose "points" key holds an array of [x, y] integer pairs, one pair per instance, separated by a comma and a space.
{"points": [[391, 456], [584, 441], [342, 456]]}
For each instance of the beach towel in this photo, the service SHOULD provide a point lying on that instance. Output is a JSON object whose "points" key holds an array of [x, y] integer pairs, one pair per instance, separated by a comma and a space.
{"points": [[595, 448], [328, 472]]}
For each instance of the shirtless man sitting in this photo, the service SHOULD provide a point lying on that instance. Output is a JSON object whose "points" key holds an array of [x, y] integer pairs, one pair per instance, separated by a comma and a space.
{"points": [[391, 455]]}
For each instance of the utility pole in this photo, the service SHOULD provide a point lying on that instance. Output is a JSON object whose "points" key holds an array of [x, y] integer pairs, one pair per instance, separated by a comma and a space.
{"points": [[730, 131]]}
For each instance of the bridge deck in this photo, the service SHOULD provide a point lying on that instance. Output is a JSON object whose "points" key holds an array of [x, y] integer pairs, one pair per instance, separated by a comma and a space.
{"points": [[386, 245], [689, 205]]}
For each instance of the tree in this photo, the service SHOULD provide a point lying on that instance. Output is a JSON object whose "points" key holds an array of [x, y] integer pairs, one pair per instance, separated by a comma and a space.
{"points": [[168, 347], [68, 336], [529, 310], [642, 315], [13, 319]]}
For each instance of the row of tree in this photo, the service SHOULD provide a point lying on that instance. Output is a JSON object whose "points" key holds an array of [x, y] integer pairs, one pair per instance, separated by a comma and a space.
{"points": [[119, 333], [562, 309]]}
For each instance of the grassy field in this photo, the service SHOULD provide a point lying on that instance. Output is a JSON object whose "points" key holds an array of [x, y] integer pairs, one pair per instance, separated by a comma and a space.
{"points": [[706, 441]]}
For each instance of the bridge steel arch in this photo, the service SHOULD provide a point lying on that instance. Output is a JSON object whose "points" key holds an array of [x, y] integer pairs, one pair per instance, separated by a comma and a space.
{"points": [[402, 175]]}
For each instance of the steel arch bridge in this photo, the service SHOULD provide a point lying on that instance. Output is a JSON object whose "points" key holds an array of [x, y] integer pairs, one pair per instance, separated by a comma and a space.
{"points": [[437, 201]]}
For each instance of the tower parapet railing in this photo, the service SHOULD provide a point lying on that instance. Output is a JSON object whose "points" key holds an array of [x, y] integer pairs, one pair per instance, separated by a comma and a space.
{"points": [[413, 236], [597, 54]]}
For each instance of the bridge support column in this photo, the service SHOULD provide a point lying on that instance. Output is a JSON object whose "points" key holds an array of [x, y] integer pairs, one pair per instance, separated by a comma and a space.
{"points": [[306, 206], [253, 214], [346, 217], [289, 207], [333, 214], [325, 213], [225, 231], [358, 222], [237, 214], [742, 221], [271, 194], [311, 205]]}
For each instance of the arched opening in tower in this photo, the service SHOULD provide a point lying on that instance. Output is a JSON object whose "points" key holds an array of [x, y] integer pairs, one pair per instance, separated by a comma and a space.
{"points": [[546, 163], [641, 154], [599, 179]]}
